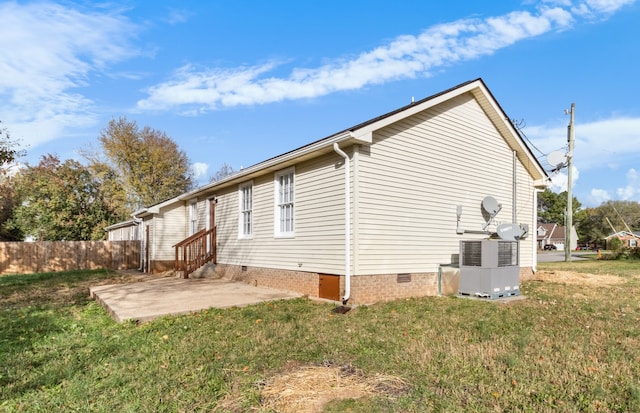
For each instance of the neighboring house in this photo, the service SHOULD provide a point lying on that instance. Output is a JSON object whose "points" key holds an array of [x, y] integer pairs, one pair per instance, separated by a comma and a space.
{"points": [[403, 189], [123, 231], [554, 234], [629, 239]]}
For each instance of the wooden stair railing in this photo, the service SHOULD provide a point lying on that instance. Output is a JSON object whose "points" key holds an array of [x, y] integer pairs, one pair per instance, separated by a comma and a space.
{"points": [[195, 251]]}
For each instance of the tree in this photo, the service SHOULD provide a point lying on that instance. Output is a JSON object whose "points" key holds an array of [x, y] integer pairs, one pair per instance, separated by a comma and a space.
{"points": [[7, 206], [147, 164], [10, 151], [552, 208], [60, 201], [593, 228], [599, 221], [622, 214], [224, 171]]}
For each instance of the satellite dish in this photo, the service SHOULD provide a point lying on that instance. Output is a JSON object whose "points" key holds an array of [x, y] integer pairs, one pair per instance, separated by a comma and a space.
{"points": [[509, 232], [490, 205], [557, 159]]}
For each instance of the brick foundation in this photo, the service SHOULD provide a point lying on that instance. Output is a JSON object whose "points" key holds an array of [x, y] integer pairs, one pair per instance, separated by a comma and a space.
{"points": [[365, 289], [369, 289], [298, 281], [156, 266]]}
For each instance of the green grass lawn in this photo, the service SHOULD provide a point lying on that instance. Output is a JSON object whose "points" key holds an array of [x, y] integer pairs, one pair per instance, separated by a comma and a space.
{"points": [[570, 347]]}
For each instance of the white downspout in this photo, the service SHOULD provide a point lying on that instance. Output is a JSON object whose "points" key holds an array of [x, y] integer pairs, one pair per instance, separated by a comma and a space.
{"points": [[514, 190], [347, 223], [534, 232], [138, 222]]}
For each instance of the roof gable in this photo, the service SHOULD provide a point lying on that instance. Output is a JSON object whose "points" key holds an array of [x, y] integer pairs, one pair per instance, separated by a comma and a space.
{"points": [[488, 104], [363, 133], [625, 234]]}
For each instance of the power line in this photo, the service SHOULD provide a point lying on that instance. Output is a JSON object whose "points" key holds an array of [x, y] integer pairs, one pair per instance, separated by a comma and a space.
{"points": [[520, 125]]}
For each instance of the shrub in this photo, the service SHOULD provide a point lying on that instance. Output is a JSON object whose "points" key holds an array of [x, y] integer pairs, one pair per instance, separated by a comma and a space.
{"points": [[634, 253], [615, 244]]}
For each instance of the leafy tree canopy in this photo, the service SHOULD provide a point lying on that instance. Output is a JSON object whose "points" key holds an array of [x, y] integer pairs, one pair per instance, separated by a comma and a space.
{"points": [[552, 208], [610, 217], [10, 149], [144, 166], [60, 201], [7, 206]]}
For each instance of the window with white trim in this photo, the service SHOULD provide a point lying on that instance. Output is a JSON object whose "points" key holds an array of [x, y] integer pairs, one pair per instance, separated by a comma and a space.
{"points": [[284, 213], [193, 217], [245, 219]]}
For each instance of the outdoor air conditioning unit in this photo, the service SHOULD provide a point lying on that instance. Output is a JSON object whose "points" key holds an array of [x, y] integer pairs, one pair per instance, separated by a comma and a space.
{"points": [[489, 268]]}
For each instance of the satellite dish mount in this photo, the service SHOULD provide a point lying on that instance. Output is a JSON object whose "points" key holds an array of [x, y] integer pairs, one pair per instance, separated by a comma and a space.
{"points": [[492, 207]]}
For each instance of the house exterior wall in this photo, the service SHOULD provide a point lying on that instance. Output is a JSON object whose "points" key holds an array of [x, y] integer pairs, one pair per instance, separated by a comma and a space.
{"points": [[405, 189], [167, 228], [202, 216], [124, 233], [410, 180], [318, 243], [628, 240], [364, 289]]}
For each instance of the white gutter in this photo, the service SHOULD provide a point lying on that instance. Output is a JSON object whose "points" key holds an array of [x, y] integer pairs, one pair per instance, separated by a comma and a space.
{"points": [[347, 223]]}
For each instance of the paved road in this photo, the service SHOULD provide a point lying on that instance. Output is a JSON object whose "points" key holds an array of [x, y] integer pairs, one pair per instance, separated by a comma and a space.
{"points": [[556, 256]]}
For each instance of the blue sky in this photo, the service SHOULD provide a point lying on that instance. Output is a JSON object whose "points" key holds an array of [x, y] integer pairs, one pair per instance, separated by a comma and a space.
{"points": [[240, 81]]}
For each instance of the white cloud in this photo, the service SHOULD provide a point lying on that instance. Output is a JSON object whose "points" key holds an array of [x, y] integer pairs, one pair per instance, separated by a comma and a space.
{"points": [[405, 57], [48, 52], [604, 143], [591, 8], [559, 179], [598, 196], [606, 6], [178, 16], [631, 191], [602, 148], [200, 170]]}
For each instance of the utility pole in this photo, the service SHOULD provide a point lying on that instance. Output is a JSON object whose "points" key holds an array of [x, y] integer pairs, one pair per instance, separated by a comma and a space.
{"points": [[569, 221]]}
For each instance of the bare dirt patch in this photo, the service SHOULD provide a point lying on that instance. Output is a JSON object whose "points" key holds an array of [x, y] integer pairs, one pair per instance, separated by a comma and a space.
{"points": [[570, 277], [307, 389]]}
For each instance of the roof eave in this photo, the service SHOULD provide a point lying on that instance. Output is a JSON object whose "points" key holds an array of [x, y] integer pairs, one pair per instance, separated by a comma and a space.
{"points": [[363, 133], [282, 161]]}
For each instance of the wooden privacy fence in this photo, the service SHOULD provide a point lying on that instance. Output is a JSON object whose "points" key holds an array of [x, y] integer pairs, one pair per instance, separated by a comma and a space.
{"points": [[51, 256]]}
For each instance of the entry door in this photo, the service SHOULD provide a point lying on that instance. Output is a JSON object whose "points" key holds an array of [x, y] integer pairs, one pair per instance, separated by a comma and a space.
{"points": [[329, 287]]}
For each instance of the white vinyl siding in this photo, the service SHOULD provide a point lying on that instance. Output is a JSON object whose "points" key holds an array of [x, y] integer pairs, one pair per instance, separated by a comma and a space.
{"points": [[168, 228], [318, 245], [415, 174], [245, 217], [193, 217], [284, 209], [123, 233]]}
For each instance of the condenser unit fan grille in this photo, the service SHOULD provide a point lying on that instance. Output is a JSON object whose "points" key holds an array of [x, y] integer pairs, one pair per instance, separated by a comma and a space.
{"points": [[471, 253], [507, 254]]}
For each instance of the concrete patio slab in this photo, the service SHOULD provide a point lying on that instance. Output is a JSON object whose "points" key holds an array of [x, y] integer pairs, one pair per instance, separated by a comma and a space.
{"points": [[144, 301]]}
